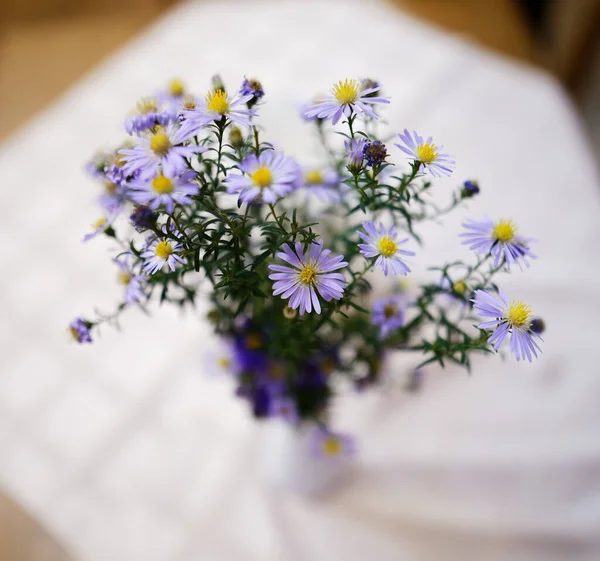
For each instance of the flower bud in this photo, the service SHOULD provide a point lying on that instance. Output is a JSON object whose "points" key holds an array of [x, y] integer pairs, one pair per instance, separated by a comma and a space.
{"points": [[368, 84], [470, 189], [254, 88], [537, 326], [375, 153], [217, 83], [236, 138], [142, 218], [289, 313]]}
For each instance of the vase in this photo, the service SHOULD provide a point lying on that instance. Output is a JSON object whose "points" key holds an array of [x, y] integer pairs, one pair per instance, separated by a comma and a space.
{"points": [[290, 463]]}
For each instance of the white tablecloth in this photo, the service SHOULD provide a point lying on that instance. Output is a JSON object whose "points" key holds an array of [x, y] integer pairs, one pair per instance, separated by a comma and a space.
{"points": [[127, 451]]}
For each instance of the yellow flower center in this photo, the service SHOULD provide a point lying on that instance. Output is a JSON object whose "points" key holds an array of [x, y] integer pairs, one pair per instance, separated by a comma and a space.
{"points": [[124, 277], [308, 274], [111, 188], [146, 105], [346, 91], [162, 185], [262, 177], [99, 223], [328, 366], [332, 447], [189, 102], [74, 333], [387, 246], [119, 160], [427, 153], [217, 101], [504, 230], [459, 287], [390, 310], [518, 314], [277, 371], [163, 249], [224, 362], [314, 177], [254, 341], [160, 143], [176, 88]]}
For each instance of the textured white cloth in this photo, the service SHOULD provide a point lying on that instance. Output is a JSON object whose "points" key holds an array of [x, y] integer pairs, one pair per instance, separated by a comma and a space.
{"points": [[127, 451]]}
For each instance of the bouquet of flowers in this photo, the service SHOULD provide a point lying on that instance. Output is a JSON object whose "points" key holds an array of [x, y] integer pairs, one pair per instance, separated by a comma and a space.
{"points": [[285, 253]]}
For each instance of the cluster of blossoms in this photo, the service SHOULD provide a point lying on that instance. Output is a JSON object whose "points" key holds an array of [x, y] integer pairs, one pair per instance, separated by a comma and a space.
{"points": [[194, 188]]}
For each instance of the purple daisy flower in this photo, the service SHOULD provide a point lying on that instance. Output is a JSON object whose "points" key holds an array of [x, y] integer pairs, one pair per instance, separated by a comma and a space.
{"points": [[216, 106], [388, 314], [347, 97], [324, 184], [96, 166], [161, 252], [500, 239], [355, 151], [142, 218], [164, 147], [165, 189], [252, 88], [514, 318], [172, 96], [331, 446], [99, 227], [146, 116], [384, 244], [427, 153], [80, 330], [311, 273], [132, 282], [114, 197], [269, 176]]}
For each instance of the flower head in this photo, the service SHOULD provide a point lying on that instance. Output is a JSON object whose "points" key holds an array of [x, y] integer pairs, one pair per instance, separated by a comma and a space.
{"points": [[114, 197], [309, 276], [355, 151], [164, 189], [97, 165], [325, 184], [347, 97], [147, 115], [470, 189], [173, 96], [331, 446], [388, 314], [252, 88], [514, 318], [132, 282], [426, 153], [142, 218], [500, 239], [163, 147], [375, 153], [383, 244], [538, 326], [268, 177], [103, 224], [80, 330], [160, 252], [217, 105]]}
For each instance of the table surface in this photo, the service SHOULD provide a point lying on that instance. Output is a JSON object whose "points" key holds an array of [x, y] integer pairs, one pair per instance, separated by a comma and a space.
{"points": [[128, 451]]}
